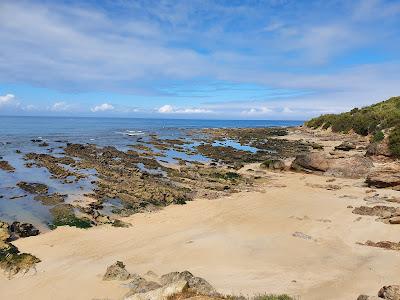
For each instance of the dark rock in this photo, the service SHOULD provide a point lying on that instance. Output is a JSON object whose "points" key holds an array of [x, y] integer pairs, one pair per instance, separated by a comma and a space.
{"points": [[390, 292], [345, 146], [117, 271], [33, 188], [384, 245], [384, 178], [51, 199], [378, 210], [22, 230], [5, 165]]}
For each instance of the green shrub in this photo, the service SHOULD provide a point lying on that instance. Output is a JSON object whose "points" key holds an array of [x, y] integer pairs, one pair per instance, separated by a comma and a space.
{"points": [[394, 141], [364, 121], [378, 136]]}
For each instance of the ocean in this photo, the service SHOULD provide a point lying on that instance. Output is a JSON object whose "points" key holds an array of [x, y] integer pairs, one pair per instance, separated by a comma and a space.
{"points": [[18, 135]]}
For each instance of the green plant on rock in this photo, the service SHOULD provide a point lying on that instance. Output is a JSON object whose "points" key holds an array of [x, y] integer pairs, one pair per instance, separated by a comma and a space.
{"points": [[378, 136], [394, 141], [63, 215], [364, 121]]}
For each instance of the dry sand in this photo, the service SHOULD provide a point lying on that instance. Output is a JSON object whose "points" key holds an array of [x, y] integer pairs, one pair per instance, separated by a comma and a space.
{"points": [[241, 244]]}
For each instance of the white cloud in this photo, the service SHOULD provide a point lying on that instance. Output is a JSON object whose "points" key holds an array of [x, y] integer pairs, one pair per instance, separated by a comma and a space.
{"points": [[166, 109], [60, 106], [102, 107], [6, 99], [257, 111], [287, 110], [169, 109], [29, 107]]}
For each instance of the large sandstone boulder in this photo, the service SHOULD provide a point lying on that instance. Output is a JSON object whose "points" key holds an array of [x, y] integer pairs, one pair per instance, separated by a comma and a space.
{"points": [[310, 162], [273, 164], [384, 178], [390, 292], [356, 166], [350, 167], [196, 284], [376, 149], [117, 271], [162, 293], [139, 284]]}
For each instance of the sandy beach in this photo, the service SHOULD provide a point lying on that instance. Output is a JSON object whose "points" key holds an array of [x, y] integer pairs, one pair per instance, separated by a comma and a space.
{"points": [[293, 236]]}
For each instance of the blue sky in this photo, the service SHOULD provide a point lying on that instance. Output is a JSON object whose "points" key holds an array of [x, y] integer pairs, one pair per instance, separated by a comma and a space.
{"points": [[271, 59]]}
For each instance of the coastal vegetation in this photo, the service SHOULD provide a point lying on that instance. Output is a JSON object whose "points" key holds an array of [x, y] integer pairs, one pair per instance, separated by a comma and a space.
{"points": [[372, 120]]}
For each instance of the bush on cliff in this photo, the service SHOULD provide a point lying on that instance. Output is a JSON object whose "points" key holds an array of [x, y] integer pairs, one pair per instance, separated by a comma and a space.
{"points": [[364, 121], [394, 142]]}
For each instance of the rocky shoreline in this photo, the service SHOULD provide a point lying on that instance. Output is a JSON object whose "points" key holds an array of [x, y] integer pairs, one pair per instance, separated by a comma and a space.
{"points": [[142, 181]]}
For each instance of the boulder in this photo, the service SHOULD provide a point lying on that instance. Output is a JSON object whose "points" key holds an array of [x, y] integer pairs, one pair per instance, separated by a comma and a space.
{"points": [[196, 284], [346, 146], [394, 220], [161, 293], [273, 164], [141, 285], [312, 161], [377, 210], [384, 178], [22, 230], [355, 166], [390, 292], [117, 271], [379, 149]]}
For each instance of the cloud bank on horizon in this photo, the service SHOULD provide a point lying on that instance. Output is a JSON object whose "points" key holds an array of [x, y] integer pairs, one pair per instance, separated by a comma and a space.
{"points": [[272, 59]]}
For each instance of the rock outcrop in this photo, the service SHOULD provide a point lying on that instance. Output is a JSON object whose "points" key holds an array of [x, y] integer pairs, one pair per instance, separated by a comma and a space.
{"points": [[150, 286], [384, 178], [273, 164], [196, 284], [22, 230], [33, 188], [117, 271], [346, 146], [4, 165], [389, 292], [161, 293], [355, 166], [379, 149], [311, 162]]}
